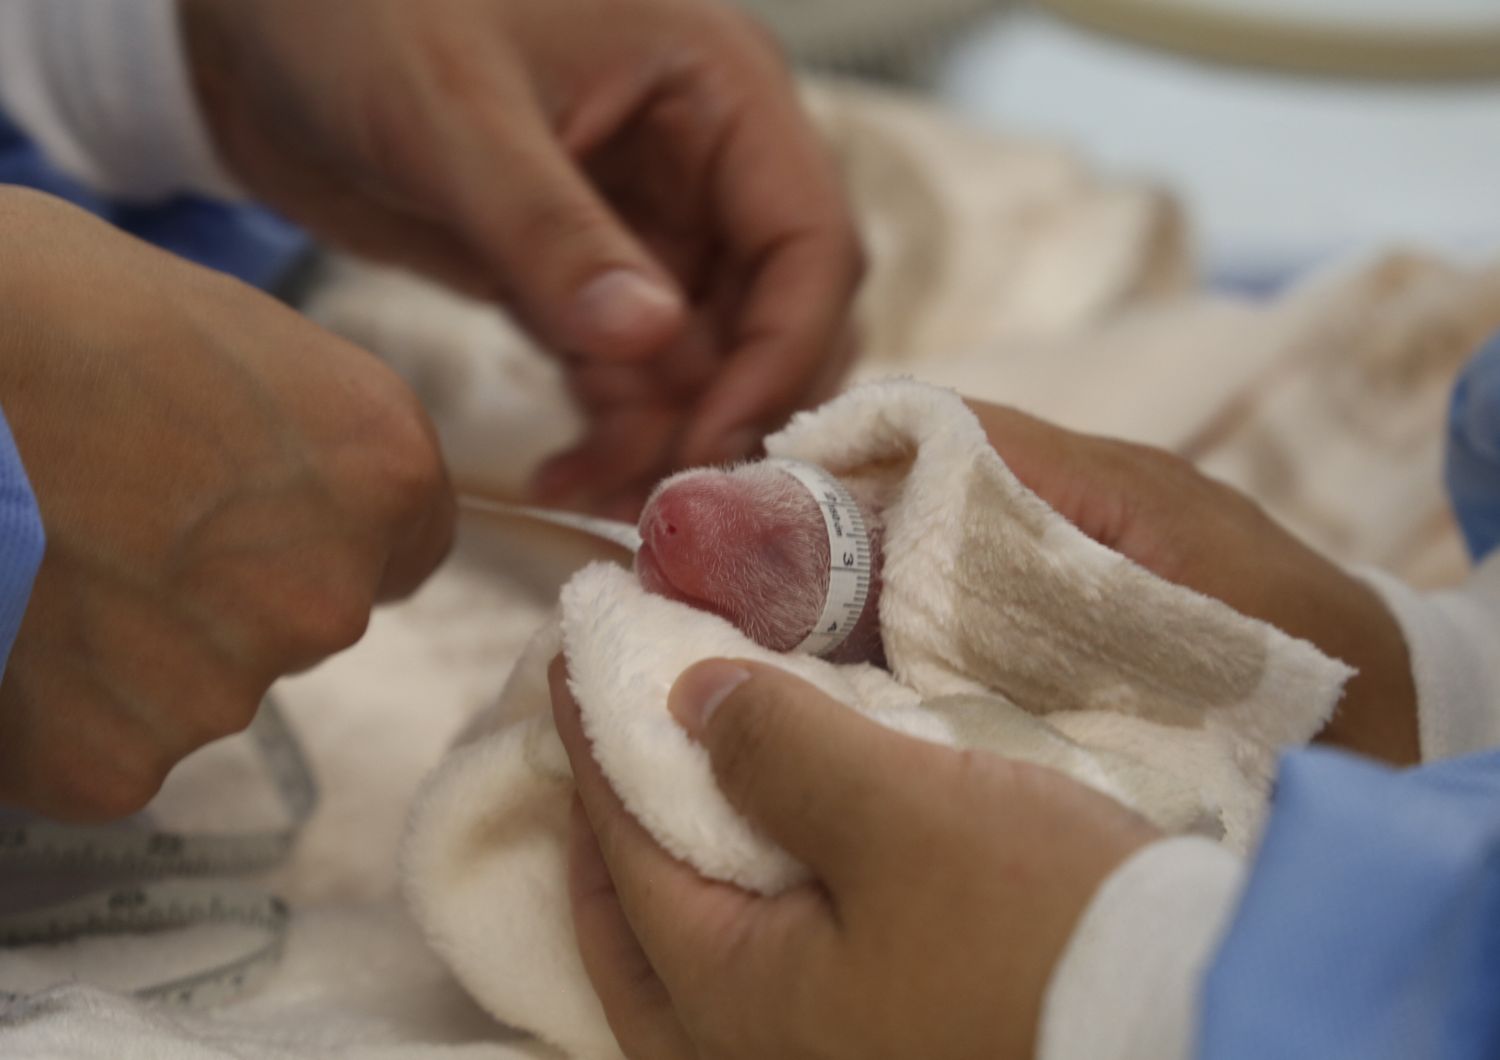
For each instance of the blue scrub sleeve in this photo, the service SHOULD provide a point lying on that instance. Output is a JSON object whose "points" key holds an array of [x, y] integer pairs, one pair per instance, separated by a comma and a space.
{"points": [[22, 541], [243, 240], [1370, 926], [1472, 462]]}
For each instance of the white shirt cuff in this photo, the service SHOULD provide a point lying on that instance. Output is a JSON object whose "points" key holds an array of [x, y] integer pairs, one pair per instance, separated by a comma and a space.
{"points": [[1454, 642], [103, 87], [1126, 987]]}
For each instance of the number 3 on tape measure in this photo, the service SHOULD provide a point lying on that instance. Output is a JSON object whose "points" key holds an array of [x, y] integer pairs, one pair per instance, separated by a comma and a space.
{"points": [[848, 567]]}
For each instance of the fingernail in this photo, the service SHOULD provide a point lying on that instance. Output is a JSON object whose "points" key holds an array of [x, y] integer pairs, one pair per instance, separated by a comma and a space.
{"points": [[625, 308], [702, 689]]}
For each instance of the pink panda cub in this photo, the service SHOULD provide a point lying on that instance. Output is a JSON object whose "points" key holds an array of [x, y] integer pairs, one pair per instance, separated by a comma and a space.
{"points": [[749, 544]]}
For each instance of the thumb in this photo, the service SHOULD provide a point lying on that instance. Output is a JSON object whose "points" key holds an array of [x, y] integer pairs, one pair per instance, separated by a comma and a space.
{"points": [[573, 272], [813, 775]]}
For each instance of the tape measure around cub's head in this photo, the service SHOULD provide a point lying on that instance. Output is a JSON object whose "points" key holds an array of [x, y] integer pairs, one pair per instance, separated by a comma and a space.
{"points": [[849, 563]]}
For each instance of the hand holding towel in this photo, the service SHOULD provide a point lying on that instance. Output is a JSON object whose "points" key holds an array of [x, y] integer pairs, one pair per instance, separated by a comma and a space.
{"points": [[1005, 629]]}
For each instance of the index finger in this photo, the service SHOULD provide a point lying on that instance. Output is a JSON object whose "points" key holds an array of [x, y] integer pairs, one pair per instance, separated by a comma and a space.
{"points": [[789, 229], [423, 547]]}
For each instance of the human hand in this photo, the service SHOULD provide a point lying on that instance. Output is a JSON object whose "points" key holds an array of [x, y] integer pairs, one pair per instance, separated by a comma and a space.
{"points": [[226, 490], [635, 179], [947, 884], [1160, 511]]}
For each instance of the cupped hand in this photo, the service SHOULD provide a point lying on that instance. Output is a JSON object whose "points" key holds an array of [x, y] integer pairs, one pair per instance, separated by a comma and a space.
{"points": [[635, 179], [226, 490], [946, 886], [1160, 511]]}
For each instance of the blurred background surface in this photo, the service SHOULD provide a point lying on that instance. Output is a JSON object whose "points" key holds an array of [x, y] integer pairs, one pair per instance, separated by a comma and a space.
{"points": [[1247, 110]]}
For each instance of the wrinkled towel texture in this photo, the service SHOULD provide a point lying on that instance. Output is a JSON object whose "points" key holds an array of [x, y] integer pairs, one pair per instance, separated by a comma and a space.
{"points": [[1005, 629]]}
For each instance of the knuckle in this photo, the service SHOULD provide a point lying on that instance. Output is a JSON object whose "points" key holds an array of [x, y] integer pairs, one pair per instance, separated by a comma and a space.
{"points": [[330, 621], [222, 714], [410, 470], [112, 797], [567, 225], [415, 477], [303, 615], [96, 790]]}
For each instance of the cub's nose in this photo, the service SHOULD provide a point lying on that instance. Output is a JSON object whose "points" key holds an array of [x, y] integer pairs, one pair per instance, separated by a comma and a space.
{"points": [[689, 531]]}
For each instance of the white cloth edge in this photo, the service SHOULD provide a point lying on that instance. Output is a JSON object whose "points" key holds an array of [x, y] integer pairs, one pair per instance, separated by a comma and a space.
{"points": [[1454, 641], [1126, 986]]}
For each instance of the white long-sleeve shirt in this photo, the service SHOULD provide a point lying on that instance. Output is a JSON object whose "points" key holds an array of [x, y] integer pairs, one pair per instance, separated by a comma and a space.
{"points": [[1127, 985], [103, 88]]}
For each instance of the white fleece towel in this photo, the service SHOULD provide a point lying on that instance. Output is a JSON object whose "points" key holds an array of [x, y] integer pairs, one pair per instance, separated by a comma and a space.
{"points": [[1005, 628]]}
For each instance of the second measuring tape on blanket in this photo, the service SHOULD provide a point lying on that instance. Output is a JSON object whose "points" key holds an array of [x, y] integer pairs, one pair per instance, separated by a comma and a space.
{"points": [[157, 897]]}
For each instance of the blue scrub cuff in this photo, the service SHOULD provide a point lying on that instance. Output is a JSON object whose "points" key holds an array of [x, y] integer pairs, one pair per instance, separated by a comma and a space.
{"points": [[1370, 926], [1471, 467], [22, 541]]}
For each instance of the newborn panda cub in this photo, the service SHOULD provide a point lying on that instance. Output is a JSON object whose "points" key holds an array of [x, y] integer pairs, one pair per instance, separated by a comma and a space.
{"points": [[749, 545]]}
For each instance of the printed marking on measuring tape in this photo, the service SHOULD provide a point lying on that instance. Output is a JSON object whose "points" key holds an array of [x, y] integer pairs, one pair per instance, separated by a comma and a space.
{"points": [[849, 563], [178, 880]]}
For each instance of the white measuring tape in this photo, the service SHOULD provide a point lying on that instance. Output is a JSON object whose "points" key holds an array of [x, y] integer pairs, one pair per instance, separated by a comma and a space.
{"points": [[849, 564], [153, 900]]}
